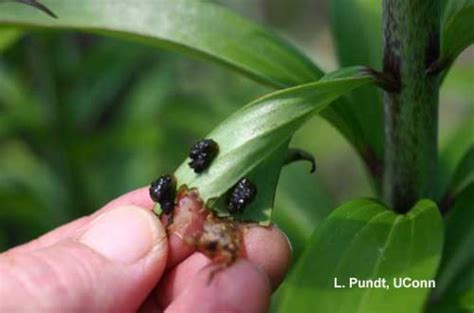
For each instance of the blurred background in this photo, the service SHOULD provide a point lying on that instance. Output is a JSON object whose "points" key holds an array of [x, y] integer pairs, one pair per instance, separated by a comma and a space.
{"points": [[84, 119]]}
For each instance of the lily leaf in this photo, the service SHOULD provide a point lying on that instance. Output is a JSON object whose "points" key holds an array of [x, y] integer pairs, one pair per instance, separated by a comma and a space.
{"points": [[265, 176], [452, 153], [356, 28], [458, 29], [198, 28], [460, 298], [463, 175], [252, 135], [301, 207], [364, 240], [458, 254], [357, 32]]}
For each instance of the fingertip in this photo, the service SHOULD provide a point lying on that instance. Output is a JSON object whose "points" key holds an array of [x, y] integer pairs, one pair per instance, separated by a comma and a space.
{"points": [[126, 234], [269, 248]]}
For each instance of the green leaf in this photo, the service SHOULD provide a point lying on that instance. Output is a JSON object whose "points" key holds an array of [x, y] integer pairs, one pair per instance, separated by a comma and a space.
{"points": [[301, 205], [357, 32], [363, 239], [251, 135], [463, 175], [453, 152], [460, 298], [199, 28], [457, 29], [458, 254], [265, 176]]}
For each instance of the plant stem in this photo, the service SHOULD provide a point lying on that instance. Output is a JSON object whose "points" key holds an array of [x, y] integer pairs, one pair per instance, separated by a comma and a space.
{"points": [[411, 45]]}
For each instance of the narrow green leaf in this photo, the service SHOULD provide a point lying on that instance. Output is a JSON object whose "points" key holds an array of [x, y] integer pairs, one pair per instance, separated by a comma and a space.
{"points": [[458, 253], [265, 176], [357, 33], [252, 134], [366, 241], [452, 152], [463, 175], [458, 29], [301, 204], [198, 28], [460, 298]]}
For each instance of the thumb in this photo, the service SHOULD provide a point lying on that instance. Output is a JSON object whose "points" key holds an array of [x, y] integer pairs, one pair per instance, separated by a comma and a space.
{"points": [[110, 264]]}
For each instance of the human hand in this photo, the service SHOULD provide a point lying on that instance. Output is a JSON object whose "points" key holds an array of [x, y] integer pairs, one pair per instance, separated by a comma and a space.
{"points": [[119, 259]]}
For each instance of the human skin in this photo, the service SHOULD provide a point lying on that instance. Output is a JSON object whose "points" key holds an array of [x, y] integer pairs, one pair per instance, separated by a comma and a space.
{"points": [[119, 259]]}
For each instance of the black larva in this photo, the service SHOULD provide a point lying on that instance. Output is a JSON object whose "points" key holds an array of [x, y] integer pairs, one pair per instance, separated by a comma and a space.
{"points": [[163, 191], [202, 154], [241, 195]]}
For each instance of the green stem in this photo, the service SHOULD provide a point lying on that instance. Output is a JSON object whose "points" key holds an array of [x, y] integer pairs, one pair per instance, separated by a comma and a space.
{"points": [[411, 45]]}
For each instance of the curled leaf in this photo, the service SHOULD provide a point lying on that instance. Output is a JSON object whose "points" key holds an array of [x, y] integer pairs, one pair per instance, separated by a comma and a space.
{"points": [[295, 155]]}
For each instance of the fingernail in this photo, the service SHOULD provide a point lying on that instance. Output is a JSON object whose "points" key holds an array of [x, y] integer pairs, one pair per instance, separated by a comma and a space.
{"points": [[125, 234]]}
